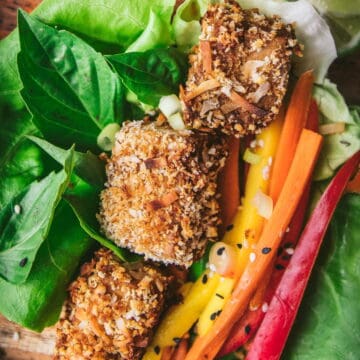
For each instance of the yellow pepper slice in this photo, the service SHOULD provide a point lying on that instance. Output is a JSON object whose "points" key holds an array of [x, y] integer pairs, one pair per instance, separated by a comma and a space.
{"points": [[247, 223], [180, 318]]}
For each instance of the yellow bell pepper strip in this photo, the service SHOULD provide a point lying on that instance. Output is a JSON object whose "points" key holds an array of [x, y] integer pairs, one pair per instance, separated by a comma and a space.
{"points": [[248, 224], [180, 318]]}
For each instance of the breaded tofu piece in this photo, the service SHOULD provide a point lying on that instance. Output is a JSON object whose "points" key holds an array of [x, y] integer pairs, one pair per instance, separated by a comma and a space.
{"points": [[112, 310], [161, 195], [239, 71]]}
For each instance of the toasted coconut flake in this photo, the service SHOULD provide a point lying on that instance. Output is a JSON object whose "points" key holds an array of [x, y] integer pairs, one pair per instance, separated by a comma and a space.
{"points": [[277, 43], [203, 87], [205, 50]]}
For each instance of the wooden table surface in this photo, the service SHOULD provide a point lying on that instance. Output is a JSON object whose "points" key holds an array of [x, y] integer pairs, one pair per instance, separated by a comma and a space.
{"points": [[17, 343]]}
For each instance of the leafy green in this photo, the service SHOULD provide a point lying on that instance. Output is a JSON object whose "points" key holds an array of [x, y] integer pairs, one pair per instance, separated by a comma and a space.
{"points": [[23, 231], [151, 74], [68, 87], [84, 200], [328, 323], [337, 148], [83, 194], [37, 302]]}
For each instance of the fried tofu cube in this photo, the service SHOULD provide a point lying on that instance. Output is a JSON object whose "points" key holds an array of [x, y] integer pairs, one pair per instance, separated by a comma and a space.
{"points": [[239, 71], [112, 310], [161, 198]]}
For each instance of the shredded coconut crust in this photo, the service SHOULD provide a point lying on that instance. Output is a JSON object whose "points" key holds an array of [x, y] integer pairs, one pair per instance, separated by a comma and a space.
{"points": [[243, 62], [112, 310], [160, 199]]}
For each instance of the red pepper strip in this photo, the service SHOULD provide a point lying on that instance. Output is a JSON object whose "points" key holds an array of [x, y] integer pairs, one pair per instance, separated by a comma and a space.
{"points": [[246, 327], [312, 122], [271, 337]]}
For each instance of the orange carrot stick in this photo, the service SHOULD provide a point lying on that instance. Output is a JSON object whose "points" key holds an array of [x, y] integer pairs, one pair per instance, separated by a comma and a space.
{"points": [[306, 154], [167, 353], [181, 350], [295, 121], [229, 184]]}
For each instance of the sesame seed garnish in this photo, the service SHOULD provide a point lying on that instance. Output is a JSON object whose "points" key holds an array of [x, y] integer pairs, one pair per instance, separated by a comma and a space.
{"points": [[279, 267], [247, 329], [157, 349], [229, 227], [252, 257], [245, 243], [261, 143], [287, 230], [215, 314], [23, 262], [17, 209], [253, 144], [220, 250], [204, 279], [212, 267], [290, 251], [219, 296], [265, 250], [265, 172], [239, 245], [270, 160], [264, 307]]}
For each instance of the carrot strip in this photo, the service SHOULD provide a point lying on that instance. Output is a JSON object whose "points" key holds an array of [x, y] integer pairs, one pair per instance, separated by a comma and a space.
{"points": [[167, 353], [228, 184], [181, 350], [205, 51], [203, 87], [295, 121], [307, 151]]}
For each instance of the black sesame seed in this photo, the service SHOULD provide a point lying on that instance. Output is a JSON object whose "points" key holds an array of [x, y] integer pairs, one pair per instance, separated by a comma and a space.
{"points": [[23, 262], [157, 350], [247, 329], [265, 250], [220, 251], [229, 227], [204, 279], [239, 245], [213, 316], [177, 340], [279, 267], [219, 296], [280, 250], [344, 142]]}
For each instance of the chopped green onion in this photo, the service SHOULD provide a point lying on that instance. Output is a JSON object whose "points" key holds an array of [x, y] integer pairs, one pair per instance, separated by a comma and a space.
{"points": [[176, 121], [250, 157], [169, 105], [106, 139]]}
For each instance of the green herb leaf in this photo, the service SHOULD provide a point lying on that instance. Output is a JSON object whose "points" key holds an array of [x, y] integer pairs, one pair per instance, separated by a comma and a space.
{"points": [[84, 200], [25, 222], [328, 323], [151, 74], [37, 303], [86, 165], [68, 87]]}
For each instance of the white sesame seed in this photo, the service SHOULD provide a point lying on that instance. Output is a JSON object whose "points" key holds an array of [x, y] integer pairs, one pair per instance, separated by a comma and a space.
{"points": [[253, 144], [287, 229], [252, 257], [261, 143], [290, 251], [265, 172], [264, 307], [245, 243], [270, 160], [212, 267], [17, 209], [16, 336]]}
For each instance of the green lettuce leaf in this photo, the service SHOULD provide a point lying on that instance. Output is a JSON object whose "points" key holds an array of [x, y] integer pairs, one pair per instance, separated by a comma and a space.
{"points": [[337, 148], [37, 303], [24, 230], [327, 326], [68, 87]]}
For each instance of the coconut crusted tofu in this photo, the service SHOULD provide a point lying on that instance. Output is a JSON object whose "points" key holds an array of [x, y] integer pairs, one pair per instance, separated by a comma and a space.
{"points": [[161, 195], [112, 310], [239, 71]]}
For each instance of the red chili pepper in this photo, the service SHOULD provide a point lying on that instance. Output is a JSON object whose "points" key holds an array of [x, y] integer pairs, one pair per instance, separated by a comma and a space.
{"points": [[271, 337]]}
